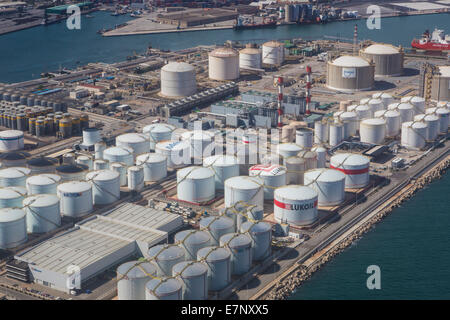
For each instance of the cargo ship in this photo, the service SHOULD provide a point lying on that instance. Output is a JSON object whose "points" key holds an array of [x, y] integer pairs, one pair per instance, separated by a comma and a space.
{"points": [[437, 41], [265, 24]]}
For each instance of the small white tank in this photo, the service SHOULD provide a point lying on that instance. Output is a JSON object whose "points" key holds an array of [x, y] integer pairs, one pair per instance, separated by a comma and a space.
{"points": [[243, 188], [304, 138], [336, 134], [176, 152], [158, 132], [85, 160], [12, 197], [136, 178], [194, 277], [321, 153], [11, 140], [444, 115], [351, 123], [43, 183], [295, 168], [310, 158], [375, 105], [218, 261], [105, 186], [192, 241], [271, 176], [414, 135], [432, 121], [154, 164], [132, 276], [165, 256], [261, 234], [288, 149], [406, 111], [372, 130], [91, 136], [296, 205], [163, 289], [320, 132], [201, 143], [120, 168], [386, 98], [363, 111], [43, 213], [217, 226], [14, 176], [329, 184], [119, 154], [417, 102], [99, 148], [240, 246], [195, 184], [13, 227], [138, 142], [393, 121], [75, 198], [354, 166], [224, 167], [101, 164]]}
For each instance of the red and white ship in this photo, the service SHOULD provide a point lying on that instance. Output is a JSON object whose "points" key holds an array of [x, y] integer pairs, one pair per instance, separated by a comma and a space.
{"points": [[438, 41]]}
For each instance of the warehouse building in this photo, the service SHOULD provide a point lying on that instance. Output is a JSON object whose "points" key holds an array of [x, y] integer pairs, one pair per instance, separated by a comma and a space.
{"points": [[67, 261], [196, 17]]}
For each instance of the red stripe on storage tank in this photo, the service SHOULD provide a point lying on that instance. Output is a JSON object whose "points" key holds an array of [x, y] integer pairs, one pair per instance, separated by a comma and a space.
{"points": [[351, 171]]}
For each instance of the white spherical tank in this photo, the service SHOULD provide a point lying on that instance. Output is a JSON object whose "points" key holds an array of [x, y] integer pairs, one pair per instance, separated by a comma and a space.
{"points": [[329, 184], [372, 130], [444, 117], [176, 152], [417, 102], [154, 164], [414, 135], [43, 213], [164, 289], [393, 121], [354, 166], [85, 160], [14, 176], [165, 256], [119, 154], [320, 132], [240, 246], [105, 186], [75, 198], [224, 64], [217, 226], [250, 58], [195, 184], [243, 188], [158, 132], [261, 235], [138, 142], [321, 153], [351, 123], [91, 136], [273, 53], [11, 197], [42, 183], [11, 140], [295, 168], [132, 276], [432, 121], [121, 168], [13, 228], [218, 262], [135, 178], [271, 176], [194, 277], [224, 167], [100, 164], [178, 80], [288, 149], [336, 134], [296, 205], [192, 241]]}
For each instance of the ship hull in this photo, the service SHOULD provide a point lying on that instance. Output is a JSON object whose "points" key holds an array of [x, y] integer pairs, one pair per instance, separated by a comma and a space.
{"points": [[430, 46]]}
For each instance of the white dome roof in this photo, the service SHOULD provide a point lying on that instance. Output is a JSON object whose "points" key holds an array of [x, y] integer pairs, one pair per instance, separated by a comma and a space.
{"points": [[381, 49], [178, 67], [351, 61]]}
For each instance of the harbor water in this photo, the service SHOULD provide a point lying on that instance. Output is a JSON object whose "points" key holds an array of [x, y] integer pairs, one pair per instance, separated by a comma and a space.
{"points": [[411, 246], [26, 54]]}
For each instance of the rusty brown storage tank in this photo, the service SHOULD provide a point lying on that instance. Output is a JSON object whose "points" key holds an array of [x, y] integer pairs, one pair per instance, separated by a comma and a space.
{"points": [[350, 74], [388, 59], [440, 87]]}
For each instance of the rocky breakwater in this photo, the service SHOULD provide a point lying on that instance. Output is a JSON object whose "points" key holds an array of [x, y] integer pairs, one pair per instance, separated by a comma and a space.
{"points": [[284, 288]]}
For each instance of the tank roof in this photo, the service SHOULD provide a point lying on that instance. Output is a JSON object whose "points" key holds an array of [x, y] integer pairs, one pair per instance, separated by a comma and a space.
{"points": [[223, 52], [14, 155], [163, 286], [220, 160], [349, 159], [189, 269], [257, 227], [374, 121], [43, 179], [381, 49], [243, 182], [72, 168], [133, 269], [158, 128], [132, 137], [324, 174], [11, 214], [42, 162], [14, 172], [74, 186], [296, 192], [195, 172], [151, 158], [218, 223], [41, 200], [351, 61], [166, 252], [118, 151], [213, 253], [177, 67], [102, 175], [10, 193], [273, 44], [250, 51], [5, 134], [236, 240]]}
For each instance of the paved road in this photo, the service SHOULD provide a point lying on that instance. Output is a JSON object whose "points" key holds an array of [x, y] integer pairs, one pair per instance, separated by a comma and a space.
{"points": [[16, 294]]}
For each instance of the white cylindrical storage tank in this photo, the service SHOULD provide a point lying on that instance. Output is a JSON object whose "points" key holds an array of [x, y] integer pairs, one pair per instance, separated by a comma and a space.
{"points": [[352, 107], [218, 262], [271, 176], [178, 80], [132, 276], [195, 184], [250, 58], [414, 135], [192, 241], [165, 257], [336, 134], [363, 111], [304, 138], [406, 111], [68, 158], [154, 164], [350, 74], [100, 164], [43, 213], [135, 178], [121, 168], [11, 140], [295, 168], [13, 227], [244, 188], [105, 186], [295, 204], [273, 53], [42, 183], [224, 64], [329, 184], [417, 102], [393, 121], [321, 132], [91, 136], [432, 121], [202, 143], [75, 198], [85, 160], [444, 115], [310, 158], [354, 166], [14, 176], [176, 152], [386, 98], [372, 130], [240, 246], [11, 197], [224, 167], [99, 148], [321, 153], [288, 149], [350, 122], [388, 59], [119, 154], [194, 277], [164, 289], [261, 235], [217, 226], [158, 132], [138, 142], [375, 105]]}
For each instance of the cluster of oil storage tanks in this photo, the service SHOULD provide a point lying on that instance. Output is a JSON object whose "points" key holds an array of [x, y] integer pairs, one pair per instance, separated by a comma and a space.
{"points": [[381, 116], [199, 262]]}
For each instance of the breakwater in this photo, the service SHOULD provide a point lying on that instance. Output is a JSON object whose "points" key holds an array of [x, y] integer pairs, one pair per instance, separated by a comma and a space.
{"points": [[284, 288]]}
